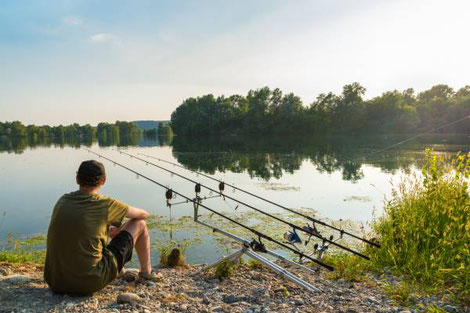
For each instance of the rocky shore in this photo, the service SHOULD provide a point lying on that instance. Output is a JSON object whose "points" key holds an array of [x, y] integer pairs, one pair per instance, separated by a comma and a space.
{"points": [[250, 290]]}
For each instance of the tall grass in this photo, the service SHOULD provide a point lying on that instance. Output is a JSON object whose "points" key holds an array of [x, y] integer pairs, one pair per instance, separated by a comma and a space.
{"points": [[425, 228]]}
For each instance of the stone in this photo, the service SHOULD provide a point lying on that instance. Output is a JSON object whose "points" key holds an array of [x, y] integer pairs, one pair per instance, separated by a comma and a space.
{"points": [[218, 309], [205, 300], [128, 297], [230, 299], [4, 271], [151, 284], [17, 279], [450, 308]]}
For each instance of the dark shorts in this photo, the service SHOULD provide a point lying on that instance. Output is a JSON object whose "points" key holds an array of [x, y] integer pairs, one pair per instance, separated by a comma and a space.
{"points": [[121, 246]]}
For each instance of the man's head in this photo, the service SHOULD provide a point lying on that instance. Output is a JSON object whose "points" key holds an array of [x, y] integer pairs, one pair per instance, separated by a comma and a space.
{"points": [[91, 174]]}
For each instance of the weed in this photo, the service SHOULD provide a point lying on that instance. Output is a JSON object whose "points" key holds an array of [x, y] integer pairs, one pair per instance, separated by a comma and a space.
{"points": [[400, 293], [425, 229], [347, 267], [254, 264], [226, 269], [21, 251]]}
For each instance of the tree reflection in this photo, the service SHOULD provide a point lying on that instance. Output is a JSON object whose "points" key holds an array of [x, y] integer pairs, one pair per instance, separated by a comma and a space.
{"points": [[272, 157]]}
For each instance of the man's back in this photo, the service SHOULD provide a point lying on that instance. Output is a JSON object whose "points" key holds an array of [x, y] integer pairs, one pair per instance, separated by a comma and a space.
{"points": [[77, 259]]}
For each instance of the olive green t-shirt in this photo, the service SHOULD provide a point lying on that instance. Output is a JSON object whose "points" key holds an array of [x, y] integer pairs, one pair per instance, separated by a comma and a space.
{"points": [[77, 260]]}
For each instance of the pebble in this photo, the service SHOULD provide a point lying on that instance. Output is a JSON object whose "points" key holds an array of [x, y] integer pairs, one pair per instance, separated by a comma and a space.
{"points": [[179, 291], [4, 271], [230, 299], [17, 279], [128, 297], [450, 308]]}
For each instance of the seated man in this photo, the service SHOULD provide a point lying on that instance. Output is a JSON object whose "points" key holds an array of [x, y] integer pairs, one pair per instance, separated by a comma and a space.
{"points": [[78, 259]]}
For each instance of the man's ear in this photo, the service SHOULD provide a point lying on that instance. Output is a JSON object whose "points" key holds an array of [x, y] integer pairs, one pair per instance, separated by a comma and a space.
{"points": [[103, 180], [76, 179]]}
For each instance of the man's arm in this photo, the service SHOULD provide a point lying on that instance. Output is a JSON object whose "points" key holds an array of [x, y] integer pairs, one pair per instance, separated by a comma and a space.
{"points": [[137, 213]]}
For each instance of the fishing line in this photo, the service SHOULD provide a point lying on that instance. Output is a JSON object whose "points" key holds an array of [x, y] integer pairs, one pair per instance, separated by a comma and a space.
{"points": [[293, 226], [197, 202]]}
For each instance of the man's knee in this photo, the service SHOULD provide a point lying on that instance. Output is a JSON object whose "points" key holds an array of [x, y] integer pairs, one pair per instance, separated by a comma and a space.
{"points": [[141, 225]]}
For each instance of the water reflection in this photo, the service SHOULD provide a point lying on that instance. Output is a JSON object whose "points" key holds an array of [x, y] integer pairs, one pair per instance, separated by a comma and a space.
{"points": [[271, 157], [19, 144]]}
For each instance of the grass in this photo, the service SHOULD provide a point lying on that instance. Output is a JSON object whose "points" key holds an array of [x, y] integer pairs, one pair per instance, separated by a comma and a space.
{"points": [[347, 267], [22, 251], [424, 233], [226, 268]]}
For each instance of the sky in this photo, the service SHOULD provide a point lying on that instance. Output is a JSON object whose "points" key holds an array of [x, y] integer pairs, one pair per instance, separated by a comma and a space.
{"points": [[90, 61]]}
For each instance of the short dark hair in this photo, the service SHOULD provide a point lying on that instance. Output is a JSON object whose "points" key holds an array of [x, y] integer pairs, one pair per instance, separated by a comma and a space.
{"points": [[90, 173]]}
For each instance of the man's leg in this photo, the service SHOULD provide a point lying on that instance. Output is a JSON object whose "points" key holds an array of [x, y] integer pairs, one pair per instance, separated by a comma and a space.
{"points": [[139, 232]]}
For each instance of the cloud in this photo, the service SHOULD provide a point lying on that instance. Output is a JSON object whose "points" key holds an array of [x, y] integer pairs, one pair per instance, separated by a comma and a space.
{"points": [[104, 37], [72, 20]]}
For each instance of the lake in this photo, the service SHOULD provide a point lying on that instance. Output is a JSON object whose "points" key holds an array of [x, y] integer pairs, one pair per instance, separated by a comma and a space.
{"points": [[335, 177]]}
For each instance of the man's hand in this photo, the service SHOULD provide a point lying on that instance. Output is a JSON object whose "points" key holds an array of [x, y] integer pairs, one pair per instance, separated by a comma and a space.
{"points": [[137, 213], [113, 231]]}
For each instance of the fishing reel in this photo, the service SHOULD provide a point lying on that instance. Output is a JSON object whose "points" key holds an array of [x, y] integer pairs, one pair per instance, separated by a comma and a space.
{"points": [[292, 237], [312, 230], [258, 246]]}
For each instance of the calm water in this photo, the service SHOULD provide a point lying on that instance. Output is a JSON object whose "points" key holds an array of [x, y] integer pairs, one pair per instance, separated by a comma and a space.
{"points": [[339, 177]]}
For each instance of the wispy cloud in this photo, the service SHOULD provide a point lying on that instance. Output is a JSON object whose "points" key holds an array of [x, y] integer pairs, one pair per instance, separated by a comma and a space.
{"points": [[72, 20], [104, 37]]}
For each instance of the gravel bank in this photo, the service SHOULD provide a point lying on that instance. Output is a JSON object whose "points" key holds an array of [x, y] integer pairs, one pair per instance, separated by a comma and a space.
{"points": [[22, 289]]}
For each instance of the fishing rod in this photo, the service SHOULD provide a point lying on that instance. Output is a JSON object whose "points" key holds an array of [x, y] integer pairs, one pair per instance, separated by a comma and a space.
{"points": [[314, 220], [196, 201], [307, 230]]}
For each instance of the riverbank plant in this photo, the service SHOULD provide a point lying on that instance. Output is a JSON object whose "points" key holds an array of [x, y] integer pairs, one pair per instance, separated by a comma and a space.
{"points": [[425, 229], [22, 251], [424, 234]]}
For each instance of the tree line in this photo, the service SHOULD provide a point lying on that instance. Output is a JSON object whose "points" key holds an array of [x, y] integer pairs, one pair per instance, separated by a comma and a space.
{"points": [[103, 130], [269, 111]]}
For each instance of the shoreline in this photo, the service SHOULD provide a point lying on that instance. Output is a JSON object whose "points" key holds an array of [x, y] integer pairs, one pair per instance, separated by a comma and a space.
{"points": [[251, 289]]}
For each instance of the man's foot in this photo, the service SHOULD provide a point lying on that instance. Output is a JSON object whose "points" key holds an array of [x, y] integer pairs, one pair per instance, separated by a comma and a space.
{"points": [[129, 275], [150, 276]]}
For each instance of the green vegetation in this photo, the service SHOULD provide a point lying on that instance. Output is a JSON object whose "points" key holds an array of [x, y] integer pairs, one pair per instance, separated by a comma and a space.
{"points": [[266, 111], [226, 268], [104, 131], [424, 233], [21, 251]]}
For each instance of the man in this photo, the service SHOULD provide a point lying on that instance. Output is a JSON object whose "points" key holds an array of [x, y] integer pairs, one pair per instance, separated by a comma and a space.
{"points": [[78, 259]]}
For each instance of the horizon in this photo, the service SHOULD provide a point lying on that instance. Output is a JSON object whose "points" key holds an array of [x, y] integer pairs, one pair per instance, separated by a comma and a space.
{"points": [[140, 60]]}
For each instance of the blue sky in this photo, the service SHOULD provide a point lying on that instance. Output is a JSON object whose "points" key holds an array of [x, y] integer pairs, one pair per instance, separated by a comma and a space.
{"points": [[91, 61]]}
